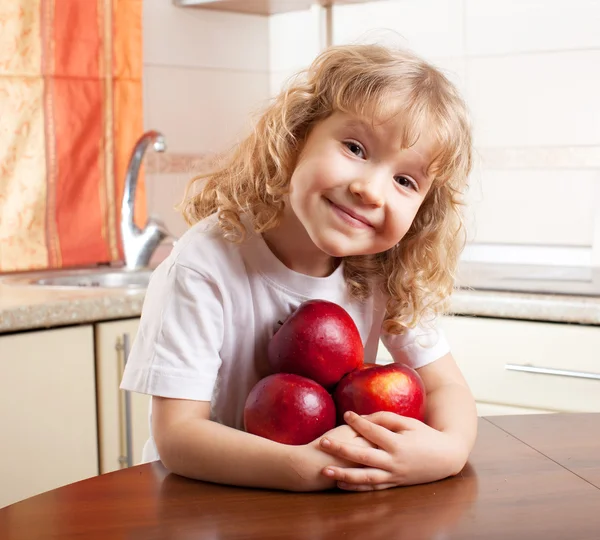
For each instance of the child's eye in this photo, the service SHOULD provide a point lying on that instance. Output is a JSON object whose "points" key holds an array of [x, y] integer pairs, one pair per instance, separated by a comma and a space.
{"points": [[355, 148], [405, 182]]}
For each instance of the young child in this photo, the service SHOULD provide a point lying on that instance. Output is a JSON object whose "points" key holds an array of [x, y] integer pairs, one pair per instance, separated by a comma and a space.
{"points": [[348, 189]]}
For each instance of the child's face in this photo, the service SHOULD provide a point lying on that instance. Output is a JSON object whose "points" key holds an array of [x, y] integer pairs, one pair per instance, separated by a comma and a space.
{"points": [[353, 189]]}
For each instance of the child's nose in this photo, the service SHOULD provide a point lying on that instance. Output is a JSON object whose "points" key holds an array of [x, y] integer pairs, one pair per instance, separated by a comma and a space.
{"points": [[369, 191]]}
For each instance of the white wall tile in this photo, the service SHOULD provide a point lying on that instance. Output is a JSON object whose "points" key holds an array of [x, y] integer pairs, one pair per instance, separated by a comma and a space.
{"points": [[549, 255], [509, 26], [536, 100], [199, 110], [428, 27], [455, 68], [278, 80], [534, 207], [294, 39], [176, 36], [164, 192], [548, 157]]}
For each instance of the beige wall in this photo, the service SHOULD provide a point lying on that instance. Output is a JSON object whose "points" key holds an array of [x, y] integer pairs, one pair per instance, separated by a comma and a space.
{"points": [[204, 73], [527, 68]]}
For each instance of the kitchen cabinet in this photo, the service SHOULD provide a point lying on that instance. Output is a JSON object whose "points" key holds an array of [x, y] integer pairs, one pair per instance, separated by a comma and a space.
{"points": [[524, 367], [493, 409], [261, 7], [123, 426], [47, 411], [526, 364]]}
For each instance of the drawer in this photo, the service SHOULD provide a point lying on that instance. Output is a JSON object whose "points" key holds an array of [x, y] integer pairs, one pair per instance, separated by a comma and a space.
{"points": [[489, 351]]}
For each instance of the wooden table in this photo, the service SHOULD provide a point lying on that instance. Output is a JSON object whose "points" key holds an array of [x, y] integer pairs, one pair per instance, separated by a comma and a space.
{"points": [[529, 477]]}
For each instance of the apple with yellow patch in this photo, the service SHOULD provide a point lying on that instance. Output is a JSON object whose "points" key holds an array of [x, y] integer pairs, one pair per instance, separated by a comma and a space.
{"points": [[393, 387]]}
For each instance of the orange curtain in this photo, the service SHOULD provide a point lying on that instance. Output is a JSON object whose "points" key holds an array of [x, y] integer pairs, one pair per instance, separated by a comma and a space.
{"points": [[70, 113]]}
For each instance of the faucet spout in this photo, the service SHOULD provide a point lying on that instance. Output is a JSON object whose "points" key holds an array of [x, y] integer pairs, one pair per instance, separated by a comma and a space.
{"points": [[139, 244]]}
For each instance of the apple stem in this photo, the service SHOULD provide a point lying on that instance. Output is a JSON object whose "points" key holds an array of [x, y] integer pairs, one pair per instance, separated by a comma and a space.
{"points": [[279, 325]]}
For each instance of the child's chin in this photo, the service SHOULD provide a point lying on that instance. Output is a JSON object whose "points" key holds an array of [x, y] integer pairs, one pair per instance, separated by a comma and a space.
{"points": [[339, 249], [337, 244]]}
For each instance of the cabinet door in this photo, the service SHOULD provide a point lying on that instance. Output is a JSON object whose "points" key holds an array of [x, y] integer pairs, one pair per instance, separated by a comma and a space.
{"points": [[528, 364], [493, 409], [122, 416], [47, 411]]}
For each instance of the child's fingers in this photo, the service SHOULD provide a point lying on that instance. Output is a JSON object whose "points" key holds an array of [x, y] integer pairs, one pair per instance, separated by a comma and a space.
{"points": [[378, 435], [359, 477], [364, 487], [392, 421], [369, 457]]}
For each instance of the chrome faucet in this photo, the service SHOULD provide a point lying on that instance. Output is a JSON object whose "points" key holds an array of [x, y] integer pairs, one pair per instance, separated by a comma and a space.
{"points": [[140, 244]]}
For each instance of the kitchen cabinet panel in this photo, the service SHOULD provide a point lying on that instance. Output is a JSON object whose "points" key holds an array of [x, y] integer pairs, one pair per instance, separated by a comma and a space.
{"points": [[493, 409], [113, 409], [47, 411], [528, 364]]}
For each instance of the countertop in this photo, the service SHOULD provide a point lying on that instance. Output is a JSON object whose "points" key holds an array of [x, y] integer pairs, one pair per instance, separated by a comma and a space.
{"points": [[27, 307], [529, 476]]}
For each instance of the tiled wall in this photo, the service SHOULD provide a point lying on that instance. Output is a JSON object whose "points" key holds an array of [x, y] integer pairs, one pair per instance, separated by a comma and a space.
{"points": [[294, 39], [530, 72], [204, 73]]}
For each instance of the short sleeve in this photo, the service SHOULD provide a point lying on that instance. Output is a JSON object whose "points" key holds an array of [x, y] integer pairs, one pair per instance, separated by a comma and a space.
{"points": [[418, 346], [176, 352]]}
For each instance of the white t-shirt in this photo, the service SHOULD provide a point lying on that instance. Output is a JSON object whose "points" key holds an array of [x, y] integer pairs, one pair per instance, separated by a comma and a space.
{"points": [[211, 308]]}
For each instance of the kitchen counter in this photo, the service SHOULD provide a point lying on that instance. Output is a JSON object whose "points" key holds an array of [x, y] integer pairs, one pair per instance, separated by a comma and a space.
{"points": [[529, 476], [28, 307]]}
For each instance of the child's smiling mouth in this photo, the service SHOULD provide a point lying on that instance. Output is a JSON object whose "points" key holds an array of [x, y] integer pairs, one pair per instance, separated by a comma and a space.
{"points": [[348, 216]]}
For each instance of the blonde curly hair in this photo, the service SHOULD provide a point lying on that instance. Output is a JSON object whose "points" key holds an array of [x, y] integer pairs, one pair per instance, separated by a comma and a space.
{"points": [[370, 81]]}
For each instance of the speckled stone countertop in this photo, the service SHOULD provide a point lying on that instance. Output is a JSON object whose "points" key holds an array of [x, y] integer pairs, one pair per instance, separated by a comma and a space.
{"points": [[28, 307], [535, 307]]}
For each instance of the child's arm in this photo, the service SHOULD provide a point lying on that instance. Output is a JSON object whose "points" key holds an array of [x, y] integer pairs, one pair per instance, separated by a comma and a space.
{"points": [[192, 445], [409, 451], [450, 404]]}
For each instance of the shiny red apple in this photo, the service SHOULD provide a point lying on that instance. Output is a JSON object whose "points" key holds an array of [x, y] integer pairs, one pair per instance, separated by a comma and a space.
{"points": [[393, 387], [320, 341], [289, 409]]}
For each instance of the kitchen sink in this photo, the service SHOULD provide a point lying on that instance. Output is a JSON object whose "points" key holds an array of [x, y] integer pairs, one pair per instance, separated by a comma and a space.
{"points": [[109, 278]]}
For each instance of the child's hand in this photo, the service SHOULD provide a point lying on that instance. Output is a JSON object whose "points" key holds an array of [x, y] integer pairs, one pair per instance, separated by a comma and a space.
{"points": [[406, 452], [309, 460]]}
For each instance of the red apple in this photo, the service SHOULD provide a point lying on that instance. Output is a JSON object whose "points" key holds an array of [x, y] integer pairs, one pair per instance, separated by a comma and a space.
{"points": [[289, 409], [393, 387], [319, 341]]}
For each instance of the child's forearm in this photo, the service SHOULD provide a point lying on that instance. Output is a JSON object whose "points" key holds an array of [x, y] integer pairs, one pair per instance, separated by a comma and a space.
{"points": [[209, 451], [451, 409]]}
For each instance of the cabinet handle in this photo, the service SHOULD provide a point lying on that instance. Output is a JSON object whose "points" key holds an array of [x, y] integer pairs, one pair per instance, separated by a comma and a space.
{"points": [[126, 458], [552, 371], [128, 437]]}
